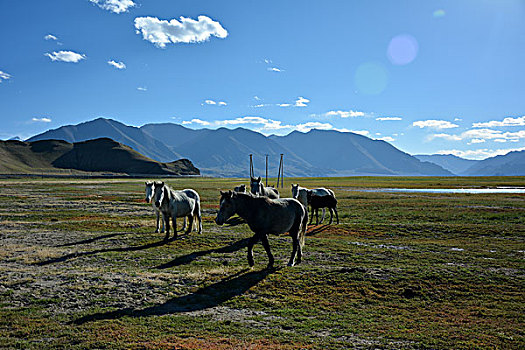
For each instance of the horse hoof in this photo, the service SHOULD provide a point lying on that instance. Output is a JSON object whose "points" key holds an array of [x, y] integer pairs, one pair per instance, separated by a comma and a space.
{"points": [[156, 231], [291, 264]]}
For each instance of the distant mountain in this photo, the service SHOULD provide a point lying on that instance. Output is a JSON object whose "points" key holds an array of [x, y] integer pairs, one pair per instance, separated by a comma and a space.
{"points": [[511, 164], [224, 152], [101, 127], [342, 153], [100, 155], [452, 163]]}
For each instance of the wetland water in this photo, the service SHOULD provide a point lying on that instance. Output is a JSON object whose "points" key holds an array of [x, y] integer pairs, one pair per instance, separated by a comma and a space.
{"points": [[450, 190]]}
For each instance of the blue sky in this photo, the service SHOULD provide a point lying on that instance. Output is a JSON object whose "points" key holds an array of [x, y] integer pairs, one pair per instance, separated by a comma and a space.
{"points": [[426, 76]]}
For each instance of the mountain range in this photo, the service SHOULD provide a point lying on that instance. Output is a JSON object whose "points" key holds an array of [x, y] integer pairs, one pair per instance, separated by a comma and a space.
{"points": [[224, 152], [101, 155]]}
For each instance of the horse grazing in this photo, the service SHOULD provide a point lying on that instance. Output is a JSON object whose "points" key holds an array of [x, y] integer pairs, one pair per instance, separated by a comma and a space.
{"points": [[240, 188], [150, 188], [266, 216], [258, 189], [317, 202], [175, 204], [301, 194]]}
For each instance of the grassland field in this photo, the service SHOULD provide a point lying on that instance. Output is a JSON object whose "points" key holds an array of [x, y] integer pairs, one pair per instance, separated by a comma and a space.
{"points": [[81, 268]]}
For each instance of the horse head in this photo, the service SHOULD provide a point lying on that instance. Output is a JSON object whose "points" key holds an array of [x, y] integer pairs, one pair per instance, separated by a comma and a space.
{"points": [[227, 207], [158, 193], [150, 186], [256, 185], [295, 190]]}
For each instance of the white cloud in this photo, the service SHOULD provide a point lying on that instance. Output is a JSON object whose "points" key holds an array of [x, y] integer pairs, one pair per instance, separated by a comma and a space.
{"points": [[196, 121], [447, 137], [267, 61], [473, 141], [344, 114], [361, 132], [434, 124], [275, 69], [42, 120], [115, 6], [65, 56], [185, 30], [301, 102], [489, 134], [284, 104], [387, 139], [382, 119], [141, 88], [118, 65], [4, 76], [480, 153], [500, 140], [50, 37], [520, 121], [313, 125], [256, 98], [212, 103]]}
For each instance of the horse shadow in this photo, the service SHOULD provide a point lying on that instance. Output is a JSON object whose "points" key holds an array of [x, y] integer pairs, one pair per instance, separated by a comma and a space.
{"points": [[317, 229], [202, 299], [90, 240], [106, 250], [188, 258]]}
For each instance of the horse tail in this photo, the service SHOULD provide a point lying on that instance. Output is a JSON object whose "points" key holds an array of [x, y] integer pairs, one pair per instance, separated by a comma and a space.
{"points": [[304, 227]]}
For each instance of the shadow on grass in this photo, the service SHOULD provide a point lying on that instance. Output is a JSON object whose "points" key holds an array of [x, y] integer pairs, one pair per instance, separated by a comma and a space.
{"points": [[202, 299], [317, 229], [106, 250], [90, 240], [186, 259]]}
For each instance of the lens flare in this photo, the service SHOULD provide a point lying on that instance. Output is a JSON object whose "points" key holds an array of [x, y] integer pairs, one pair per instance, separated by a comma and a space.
{"points": [[371, 78], [402, 49]]}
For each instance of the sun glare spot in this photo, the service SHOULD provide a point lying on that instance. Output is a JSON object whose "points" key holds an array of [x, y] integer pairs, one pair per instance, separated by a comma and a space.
{"points": [[402, 49]]}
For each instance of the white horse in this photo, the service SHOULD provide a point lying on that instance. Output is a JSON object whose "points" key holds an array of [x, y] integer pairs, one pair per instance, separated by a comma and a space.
{"points": [[257, 188], [150, 188], [173, 204], [301, 194]]}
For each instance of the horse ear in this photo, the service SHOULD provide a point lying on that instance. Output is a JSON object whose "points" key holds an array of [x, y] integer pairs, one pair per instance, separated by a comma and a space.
{"points": [[222, 193], [259, 179]]}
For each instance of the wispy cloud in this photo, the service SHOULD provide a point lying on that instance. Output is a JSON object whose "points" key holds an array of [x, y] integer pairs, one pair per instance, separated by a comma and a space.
{"points": [[196, 121], [344, 114], [214, 103], [142, 88], [520, 121], [301, 102], [118, 65], [115, 6], [387, 139], [185, 30], [275, 69], [480, 153], [4, 76], [65, 56], [361, 132], [50, 37], [439, 13], [384, 119], [305, 127], [41, 120], [435, 124], [447, 137]]}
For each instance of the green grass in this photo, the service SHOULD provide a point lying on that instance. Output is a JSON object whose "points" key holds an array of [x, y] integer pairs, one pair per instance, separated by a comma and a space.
{"points": [[81, 268]]}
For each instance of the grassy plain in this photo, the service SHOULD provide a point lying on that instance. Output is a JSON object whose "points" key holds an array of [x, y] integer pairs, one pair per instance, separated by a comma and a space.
{"points": [[81, 268]]}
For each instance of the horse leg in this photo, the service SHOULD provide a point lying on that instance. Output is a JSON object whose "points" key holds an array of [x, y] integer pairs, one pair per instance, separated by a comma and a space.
{"points": [[317, 216], [322, 216], [174, 218], [295, 246], [198, 216], [336, 216], [331, 216], [158, 222], [162, 222], [166, 219], [312, 210], [266, 245], [190, 223], [251, 242]]}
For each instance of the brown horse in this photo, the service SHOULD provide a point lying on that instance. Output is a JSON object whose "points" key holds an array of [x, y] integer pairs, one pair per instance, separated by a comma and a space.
{"points": [[266, 216]]}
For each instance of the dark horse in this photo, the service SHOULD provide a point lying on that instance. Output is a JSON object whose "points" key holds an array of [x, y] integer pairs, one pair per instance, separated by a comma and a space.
{"points": [[266, 216]]}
